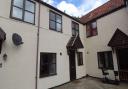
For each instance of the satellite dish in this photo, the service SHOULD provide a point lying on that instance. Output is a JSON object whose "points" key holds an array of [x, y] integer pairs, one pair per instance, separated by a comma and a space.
{"points": [[17, 39]]}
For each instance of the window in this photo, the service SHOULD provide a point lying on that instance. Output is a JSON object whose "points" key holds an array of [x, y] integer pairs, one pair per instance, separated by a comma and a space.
{"points": [[126, 2], [47, 64], [105, 60], [55, 22], [75, 28], [80, 58], [91, 29], [23, 10]]}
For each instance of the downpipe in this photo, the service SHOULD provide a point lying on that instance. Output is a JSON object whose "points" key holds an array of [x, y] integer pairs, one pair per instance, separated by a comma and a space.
{"points": [[37, 56]]}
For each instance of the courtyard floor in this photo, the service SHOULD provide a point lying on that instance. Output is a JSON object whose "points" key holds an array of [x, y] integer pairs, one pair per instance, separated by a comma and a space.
{"points": [[91, 83]]}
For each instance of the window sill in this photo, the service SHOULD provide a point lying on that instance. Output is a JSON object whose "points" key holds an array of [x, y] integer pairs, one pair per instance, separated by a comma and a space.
{"points": [[55, 30], [14, 18], [91, 36], [80, 65], [44, 76]]}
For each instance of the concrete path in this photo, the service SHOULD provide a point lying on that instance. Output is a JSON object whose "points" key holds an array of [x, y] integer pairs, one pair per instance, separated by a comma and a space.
{"points": [[91, 83]]}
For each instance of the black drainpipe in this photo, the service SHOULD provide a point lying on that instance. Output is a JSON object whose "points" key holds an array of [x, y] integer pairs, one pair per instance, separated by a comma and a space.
{"points": [[37, 57]]}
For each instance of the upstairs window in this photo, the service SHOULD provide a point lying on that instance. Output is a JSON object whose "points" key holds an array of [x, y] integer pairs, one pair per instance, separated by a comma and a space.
{"points": [[23, 10], [47, 64], [105, 60], [80, 58], [91, 29], [55, 21], [75, 28]]}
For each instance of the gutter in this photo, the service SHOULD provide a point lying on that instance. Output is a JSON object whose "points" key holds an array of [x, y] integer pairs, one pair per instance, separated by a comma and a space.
{"points": [[37, 56], [59, 11]]}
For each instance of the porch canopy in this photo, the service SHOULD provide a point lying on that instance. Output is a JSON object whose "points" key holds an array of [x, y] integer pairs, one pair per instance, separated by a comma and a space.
{"points": [[119, 40], [75, 43], [2, 35], [2, 38]]}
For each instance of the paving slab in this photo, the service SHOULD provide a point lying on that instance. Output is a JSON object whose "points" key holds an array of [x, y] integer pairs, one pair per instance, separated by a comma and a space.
{"points": [[91, 83]]}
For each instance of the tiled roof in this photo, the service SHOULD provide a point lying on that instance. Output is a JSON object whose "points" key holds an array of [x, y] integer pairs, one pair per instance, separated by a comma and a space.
{"points": [[119, 40], [103, 10]]}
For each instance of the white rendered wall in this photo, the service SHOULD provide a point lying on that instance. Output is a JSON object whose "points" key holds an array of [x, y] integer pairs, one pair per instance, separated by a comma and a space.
{"points": [[106, 26], [18, 71], [55, 42]]}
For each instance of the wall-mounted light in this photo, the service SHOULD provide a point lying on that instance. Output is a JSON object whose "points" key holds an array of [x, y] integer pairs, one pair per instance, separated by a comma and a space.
{"points": [[61, 53], [5, 57], [87, 52], [0, 65]]}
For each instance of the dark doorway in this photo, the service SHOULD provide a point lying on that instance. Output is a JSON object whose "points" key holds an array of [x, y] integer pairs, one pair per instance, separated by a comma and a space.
{"points": [[123, 63], [72, 63]]}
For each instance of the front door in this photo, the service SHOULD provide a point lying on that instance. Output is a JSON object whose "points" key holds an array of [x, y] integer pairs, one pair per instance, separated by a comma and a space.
{"points": [[72, 65], [123, 63]]}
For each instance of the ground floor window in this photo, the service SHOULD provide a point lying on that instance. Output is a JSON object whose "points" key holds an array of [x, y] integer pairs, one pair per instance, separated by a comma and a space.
{"points": [[105, 60], [80, 58], [47, 64]]}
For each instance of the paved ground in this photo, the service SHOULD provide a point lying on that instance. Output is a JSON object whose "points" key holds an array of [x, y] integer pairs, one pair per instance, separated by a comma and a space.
{"points": [[91, 83]]}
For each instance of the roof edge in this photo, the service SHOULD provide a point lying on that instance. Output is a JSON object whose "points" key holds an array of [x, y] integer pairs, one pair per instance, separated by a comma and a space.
{"points": [[59, 11], [105, 14]]}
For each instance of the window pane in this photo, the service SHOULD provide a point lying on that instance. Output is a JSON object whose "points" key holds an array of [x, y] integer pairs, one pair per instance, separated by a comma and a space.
{"points": [[44, 59], [101, 60], [73, 32], [29, 17], [18, 3], [94, 32], [52, 16], [91, 29], [80, 58], [52, 25], [88, 31], [29, 6], [77, 27], [58, 18], [52, 69], [17, 13], [58, 27], [52, 58], [77, 32], [47, 64], [110, 60], [106, 59], [44, 70], [73, 25], [94, 25]]}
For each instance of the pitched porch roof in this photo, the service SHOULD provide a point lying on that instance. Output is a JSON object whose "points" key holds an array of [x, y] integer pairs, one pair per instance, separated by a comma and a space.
{"points": [[2, 35], [119, 40], [75, 43]]}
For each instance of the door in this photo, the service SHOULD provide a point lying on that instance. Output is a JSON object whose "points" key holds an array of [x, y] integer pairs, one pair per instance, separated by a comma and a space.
{"points": [[123, 64], [72, 65]]}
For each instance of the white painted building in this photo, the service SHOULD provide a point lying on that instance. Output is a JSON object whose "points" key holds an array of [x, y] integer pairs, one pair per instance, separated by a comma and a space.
{"points": [[42, 47], [42, 60], [106, 43]]}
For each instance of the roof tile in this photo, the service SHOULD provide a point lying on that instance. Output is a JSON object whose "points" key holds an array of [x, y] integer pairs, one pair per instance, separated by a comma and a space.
{"points": [[102, 10]]}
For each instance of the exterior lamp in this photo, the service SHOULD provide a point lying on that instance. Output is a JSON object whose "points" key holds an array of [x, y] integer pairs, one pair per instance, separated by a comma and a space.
{"points": [[5, 57]]}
